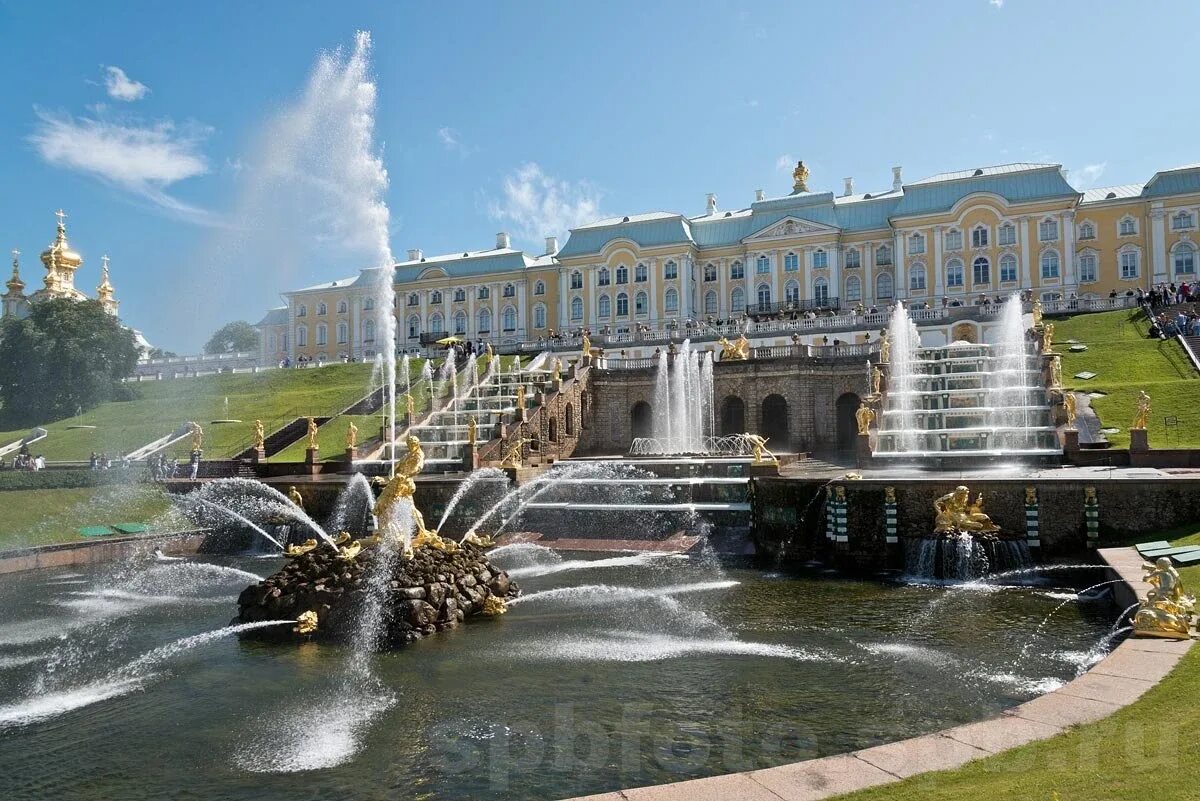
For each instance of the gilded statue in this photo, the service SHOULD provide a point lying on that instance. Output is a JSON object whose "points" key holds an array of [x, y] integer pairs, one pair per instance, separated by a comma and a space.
{"points": [[472, 430], [876, 381], [493, 605], [889, 494], [342, 538], [1047, 337], [1069, 405], [521, 397], [1031, 496], [800, 178], [489, 354], [556, 372], [955, 512], [865, 416], [302, 548], [306, 623], [408, 404], [1037, 313], [312, 434], [758, 445], [839, 494], [1089, 496], [1166, 611], [398, 492], [352, 435], [1055, 372], [1141, 417], [349, 552], [586, 346], [1163, 576], [295, 497], [197, 436], [513, 456], [260, 437], [738, 350], [885, 349]]}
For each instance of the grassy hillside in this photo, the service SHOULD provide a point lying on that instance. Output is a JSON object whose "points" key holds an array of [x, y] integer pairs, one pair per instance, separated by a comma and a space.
{"points": [[1126, 361], [45, 516]]}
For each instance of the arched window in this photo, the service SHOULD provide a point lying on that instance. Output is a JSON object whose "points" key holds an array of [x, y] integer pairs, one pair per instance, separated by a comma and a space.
{"points": [[603, 277], [954, 274], [764, 297], [710, 302], [1087, 231], [853, 289], [302, 310], [368, 330], [576, 308], [343, 307], [641, 304], [981, 272], [883, 256], [368, 304], [301, 336], [821, 291], [483, 293], [791, 262], [604, 306], [435, 323], [853, 258], [322, 309], [952, 239], [460, 295], [1008, 268], [1129, 264], [1181, 221], [737, 300], [414, 299], [736, 271], [1184, 259], [435, 297], [539, 316], [510, 291], [1050, 264], [916, 278], [1127, 227], [670, 271], [820, 259], [460, 322], [622, 304], [1087, 262], [343, 333], [1048, 230], [979, 236], [484, 320], [791, 292], [710, 272], [272, 342], [509, 318], [539, 288], [569, 419], [916, 244], [883, 286], [322, 335], [671, 301], [622, 274], [763, 265], [640, 275], [576, 280], [414, 327]]}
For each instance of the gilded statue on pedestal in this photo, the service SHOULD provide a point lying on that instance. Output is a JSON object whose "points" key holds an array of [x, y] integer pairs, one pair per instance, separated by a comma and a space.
{"points": [[738, 350], [521, 397], [1055, 372], [865, 416], [302, 548], [586, 346], [556, 373], [885, 349], [197, 437], [889, 494], [1037, 313], [408, 404], [876, 381], [472, 427], [1166, 611], [295, 497], [1047, 337], [1031, 496], [260, 437], [352, 435], [955, 512], [1070, 408], [513, 456], [489, 354], [758, 445], [306, 623], [312, 434], [800, 178], [398, 492], [1141, 417]]}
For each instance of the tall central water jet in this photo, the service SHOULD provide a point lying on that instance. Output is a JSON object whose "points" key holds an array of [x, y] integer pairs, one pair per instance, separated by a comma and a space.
{"points": [[683, 400]]}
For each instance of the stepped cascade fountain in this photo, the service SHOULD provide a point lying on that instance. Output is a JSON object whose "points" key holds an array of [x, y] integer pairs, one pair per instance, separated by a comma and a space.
{"points": [[682, 422], [965, 400]]}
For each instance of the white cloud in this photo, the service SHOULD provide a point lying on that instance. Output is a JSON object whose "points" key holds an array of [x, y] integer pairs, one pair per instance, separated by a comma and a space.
{"points": [[540, 205], [449, 137], [144, 159], [996, 3], [121, 87], [1087, 176], [785, 163]]}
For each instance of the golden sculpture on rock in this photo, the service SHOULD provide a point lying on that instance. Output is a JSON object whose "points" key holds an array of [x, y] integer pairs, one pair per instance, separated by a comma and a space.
{"points": [[295, 497], [1141, 417], [955, 512], [889, 494], [513, 456], [306, 623], [758, 445], [494, 605], [1166, 612], [398, 494], [349, 552], [302, 548], [352, 435], [738, 350], [260, 437], [865, 416], [1069, 406]]}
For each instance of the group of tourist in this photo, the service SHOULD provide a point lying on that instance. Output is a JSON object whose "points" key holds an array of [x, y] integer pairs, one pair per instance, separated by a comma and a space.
{"points": [[1167, 307], [159, 468], [102, 461], [1171, 294], [24, 460]]}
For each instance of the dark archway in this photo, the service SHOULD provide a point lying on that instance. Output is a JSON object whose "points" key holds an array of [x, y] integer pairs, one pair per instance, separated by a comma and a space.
{"points": [[570, 420], [641, 419], [733, 416], [775, 422], [552, 435], [847, 423]]}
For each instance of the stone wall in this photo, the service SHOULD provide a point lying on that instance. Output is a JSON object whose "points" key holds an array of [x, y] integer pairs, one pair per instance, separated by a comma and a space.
{"points": [[556, 425], [810, 387]]}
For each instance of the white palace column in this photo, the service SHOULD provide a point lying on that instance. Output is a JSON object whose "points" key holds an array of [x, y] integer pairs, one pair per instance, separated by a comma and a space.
{"points": [[899, 272], [564, 290], [835, 272], [652, 267], [868, 273], [522, 321], [939, 277], [1026, 254], [1068, 228], [1158, 244], [472, 329]]}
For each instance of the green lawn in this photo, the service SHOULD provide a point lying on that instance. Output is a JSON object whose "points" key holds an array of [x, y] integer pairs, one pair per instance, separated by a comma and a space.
{"points": [[1126, 361], [1146, 749], [332, 438], [42, 517]]}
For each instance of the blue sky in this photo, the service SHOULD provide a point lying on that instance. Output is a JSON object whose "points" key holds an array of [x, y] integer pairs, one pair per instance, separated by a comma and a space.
{"points": [[532, 117]]}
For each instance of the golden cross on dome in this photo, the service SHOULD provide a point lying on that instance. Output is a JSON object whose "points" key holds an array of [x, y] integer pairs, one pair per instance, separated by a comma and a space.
{"points": [[61, 215], [16, 255], [104, 262]]}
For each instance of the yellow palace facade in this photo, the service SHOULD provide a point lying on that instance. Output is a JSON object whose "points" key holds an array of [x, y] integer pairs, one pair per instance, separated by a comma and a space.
{"points": [[955, 239]]}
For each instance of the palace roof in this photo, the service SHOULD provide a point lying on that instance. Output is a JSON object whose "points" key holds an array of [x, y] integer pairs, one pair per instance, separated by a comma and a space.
{"points": [[1179, 181]]}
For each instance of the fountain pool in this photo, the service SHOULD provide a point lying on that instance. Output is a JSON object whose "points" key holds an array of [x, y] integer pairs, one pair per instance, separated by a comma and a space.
{"points": [[611, 671]]}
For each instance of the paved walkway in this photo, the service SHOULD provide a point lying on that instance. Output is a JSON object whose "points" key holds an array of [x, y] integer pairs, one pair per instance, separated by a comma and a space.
{"points": [[1119, 679]]}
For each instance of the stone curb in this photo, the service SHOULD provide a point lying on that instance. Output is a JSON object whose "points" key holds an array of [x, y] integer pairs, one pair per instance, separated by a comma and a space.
{"points": [[1129, 670], [111, 549]]}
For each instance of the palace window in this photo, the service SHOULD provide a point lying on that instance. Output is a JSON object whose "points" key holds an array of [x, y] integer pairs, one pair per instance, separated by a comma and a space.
{"points": [[791, 292], [622, 304], [736, 271], [509, 318], [368, 331], [577, 280], [1181, 221], [1007, 235], [671, 301], [1008, 268], [302, 336], [1129, 264], [763, 265], [414, 299], [883, 286], [820, 259], [1087, 268], [1127, 227], [322, 309], [853, 258], [343, 307], [853, 289], [435, 297], [916, 244], [603, 278], [539, 316], [302, 310], [916, 278], [483, 293], [576, 308], [510, 291], [1048, 230], [671, 271], [368, 304], [1185, 259], [460, 295], [979, 236], [435, 324], [322, 335], [1050, 264], [710, 272], [710, 302], [484, 320], [460, 322], [737, 300], [764, 296], [640, 275], [641, 304], [954, 274], [414, 327], [953, 240], [791, 262], [981, 272], [343, 333], [604, 306], [883, 256], [539, 288], [1087, 231], [821, 291], [622, 274]]}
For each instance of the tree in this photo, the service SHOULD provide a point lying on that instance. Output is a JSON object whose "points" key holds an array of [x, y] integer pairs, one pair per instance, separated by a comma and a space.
{"points": [[65, 356], [159, 353], [234, 337]]}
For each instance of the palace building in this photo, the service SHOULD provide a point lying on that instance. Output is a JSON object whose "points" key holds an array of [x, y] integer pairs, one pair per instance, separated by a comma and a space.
{"points": [[955, 238], [61, 263]]}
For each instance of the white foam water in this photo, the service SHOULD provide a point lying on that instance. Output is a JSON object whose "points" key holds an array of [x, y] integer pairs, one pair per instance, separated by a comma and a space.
{"points": [[586, 564], [597, 594], [623, 646]]}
